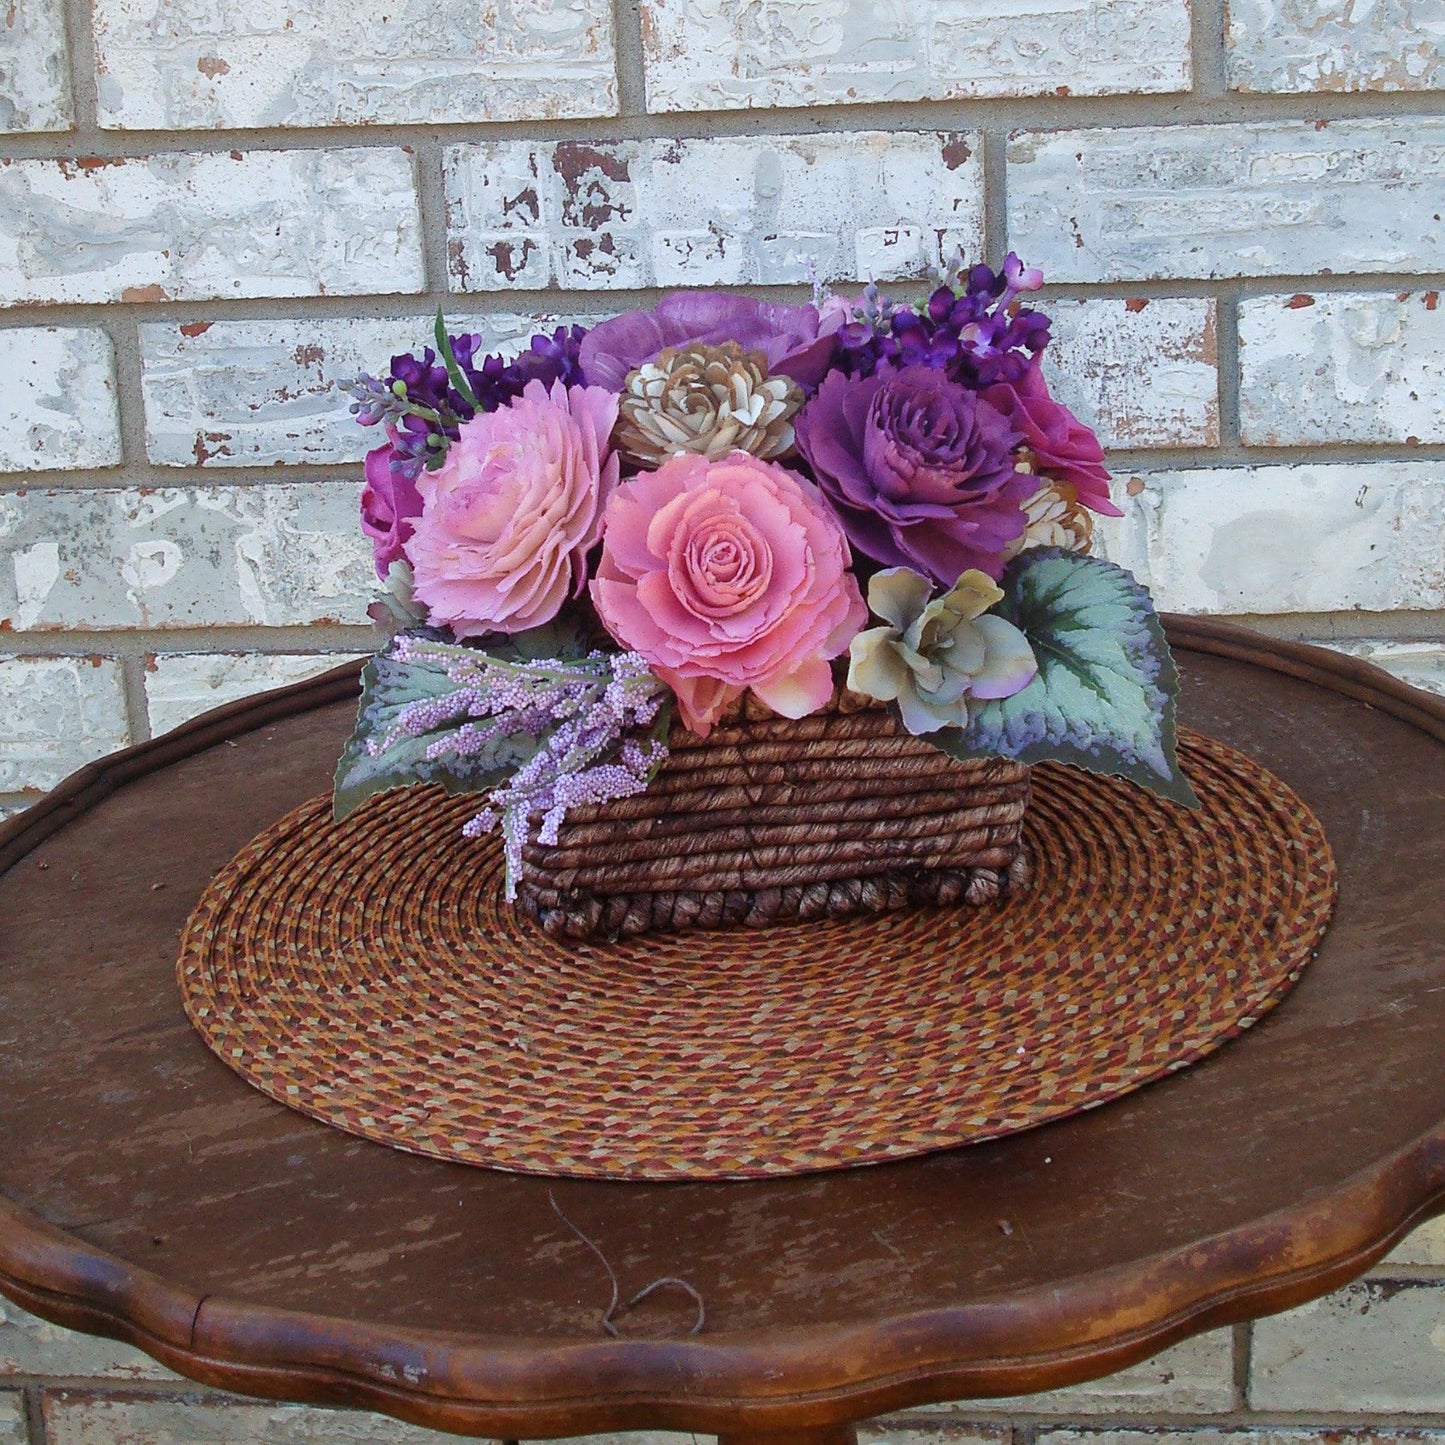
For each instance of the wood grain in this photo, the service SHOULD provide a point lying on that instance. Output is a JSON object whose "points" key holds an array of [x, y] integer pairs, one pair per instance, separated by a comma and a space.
{"points": [[147, 1193]]}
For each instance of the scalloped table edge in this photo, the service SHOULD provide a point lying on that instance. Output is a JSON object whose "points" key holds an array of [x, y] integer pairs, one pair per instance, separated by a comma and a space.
{"points": [[735, 1386]]}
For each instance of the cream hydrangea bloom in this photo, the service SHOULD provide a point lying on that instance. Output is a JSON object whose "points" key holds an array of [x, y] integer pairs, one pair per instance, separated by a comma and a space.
{"points": [[937, 653]]}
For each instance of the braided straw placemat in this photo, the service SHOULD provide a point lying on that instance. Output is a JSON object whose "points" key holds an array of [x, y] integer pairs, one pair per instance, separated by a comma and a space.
{"points": [[369, 974]]}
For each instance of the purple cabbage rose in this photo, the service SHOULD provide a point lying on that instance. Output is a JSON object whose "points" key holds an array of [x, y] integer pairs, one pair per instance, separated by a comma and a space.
{"points": [[919, 470], [389, 501], [1064, 449], [796, 340]]}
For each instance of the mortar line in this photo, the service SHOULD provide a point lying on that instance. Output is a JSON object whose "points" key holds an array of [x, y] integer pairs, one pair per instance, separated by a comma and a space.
{"points": [[630, 58], [141, 642], [431, 199], [124, 334], [1242, 1348], [995, 197], [80, 59], [34, 1414], [559, 302], [1207, 51], [1226, 335], [137, 705], [1036, 114]]}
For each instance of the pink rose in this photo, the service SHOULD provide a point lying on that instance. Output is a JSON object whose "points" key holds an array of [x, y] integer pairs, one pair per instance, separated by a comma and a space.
{"points": [[389, 502], [728, 575], [507, 519]]}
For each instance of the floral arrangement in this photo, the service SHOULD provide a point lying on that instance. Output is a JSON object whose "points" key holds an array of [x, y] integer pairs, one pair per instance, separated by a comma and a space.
{"points": [[645, 520]]}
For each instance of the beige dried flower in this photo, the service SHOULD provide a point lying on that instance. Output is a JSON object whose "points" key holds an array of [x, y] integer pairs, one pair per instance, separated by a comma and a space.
{"points": [[709, 400], [1056, 519]]}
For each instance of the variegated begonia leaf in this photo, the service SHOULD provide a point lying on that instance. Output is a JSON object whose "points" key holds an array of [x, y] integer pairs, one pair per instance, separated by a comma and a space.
{"points": [[1104, 695], [381, 755]]}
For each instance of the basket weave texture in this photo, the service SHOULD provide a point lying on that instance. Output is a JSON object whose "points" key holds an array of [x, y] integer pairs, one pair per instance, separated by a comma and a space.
{"points": [[770, 819]]}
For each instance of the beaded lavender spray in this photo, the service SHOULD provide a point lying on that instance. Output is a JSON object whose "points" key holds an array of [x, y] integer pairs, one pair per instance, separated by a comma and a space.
{"points": [[586, 714]]}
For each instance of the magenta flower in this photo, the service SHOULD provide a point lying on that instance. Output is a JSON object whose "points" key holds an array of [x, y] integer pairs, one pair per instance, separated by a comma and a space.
{"points": [[508, 517], [796, 341], [389, 503], [919, 468], [1064, 449], [725, 576]]}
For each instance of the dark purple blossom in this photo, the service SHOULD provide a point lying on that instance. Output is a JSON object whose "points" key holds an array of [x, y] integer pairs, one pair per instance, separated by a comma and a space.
{"points": [[976, 338], [796, 340], [422, 407], [919, 469]]}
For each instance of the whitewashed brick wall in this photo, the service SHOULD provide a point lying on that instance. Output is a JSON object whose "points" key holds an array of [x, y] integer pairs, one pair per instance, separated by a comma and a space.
{"points": [[211, 211]]}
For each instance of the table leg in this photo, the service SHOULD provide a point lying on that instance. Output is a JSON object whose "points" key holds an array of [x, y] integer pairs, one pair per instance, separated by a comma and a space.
{"points": [[817, 1435]]}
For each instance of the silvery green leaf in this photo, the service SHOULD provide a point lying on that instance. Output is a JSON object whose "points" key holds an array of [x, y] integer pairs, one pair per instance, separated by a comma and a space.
{"points": [[375, 759], [1106, 686]]}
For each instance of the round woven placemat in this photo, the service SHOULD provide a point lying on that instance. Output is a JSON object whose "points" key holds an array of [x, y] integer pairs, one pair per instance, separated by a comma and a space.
{"points": [[371, 975]]}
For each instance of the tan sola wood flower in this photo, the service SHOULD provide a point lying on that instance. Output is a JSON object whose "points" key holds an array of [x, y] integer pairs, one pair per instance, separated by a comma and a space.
{"points": [[707, 400]]}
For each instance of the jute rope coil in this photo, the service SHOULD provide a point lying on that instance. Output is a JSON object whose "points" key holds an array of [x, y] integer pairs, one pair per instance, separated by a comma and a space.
{"points": [[768, 819], [371, 975]]}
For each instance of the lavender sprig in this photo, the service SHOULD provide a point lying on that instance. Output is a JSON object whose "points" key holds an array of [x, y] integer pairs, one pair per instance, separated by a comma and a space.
{"points": [[585, 712]]}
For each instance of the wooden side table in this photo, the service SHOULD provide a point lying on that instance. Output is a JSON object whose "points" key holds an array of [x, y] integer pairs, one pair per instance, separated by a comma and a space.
{"points": [[147, 1193]]}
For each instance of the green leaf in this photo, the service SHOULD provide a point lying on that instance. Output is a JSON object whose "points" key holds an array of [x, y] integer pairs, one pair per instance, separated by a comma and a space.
{"points": [[371, 764], [455, 374], [1106, 686]]}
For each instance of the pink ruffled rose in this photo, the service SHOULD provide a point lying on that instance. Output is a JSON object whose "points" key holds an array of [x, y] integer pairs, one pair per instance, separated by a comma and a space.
{"points": [[728, 575], [507, 519]]}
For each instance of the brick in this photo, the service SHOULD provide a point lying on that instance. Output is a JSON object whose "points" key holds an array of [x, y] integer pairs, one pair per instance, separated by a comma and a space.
{"points": [[1422, 665], [1375, 1347], [258, 393], [74, 1417], [1427, 1244], [224, 63], [283, 555], [719, 212], [1195, 1376], [180, 686], [1333, 45], [13, 1430], [31, 1346], [229, 224], [58, 404], [1342, 367], [56, 714], [729, 54], [1141, 373], [1263, 199], [1281, 539], [1258, 1435], [34, 77], [890, 1433]]}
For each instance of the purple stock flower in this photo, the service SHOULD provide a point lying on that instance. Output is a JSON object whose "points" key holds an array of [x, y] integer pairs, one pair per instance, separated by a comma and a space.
{"points": [[389, 502], [977, 338], [796, 340], [918, 468]]}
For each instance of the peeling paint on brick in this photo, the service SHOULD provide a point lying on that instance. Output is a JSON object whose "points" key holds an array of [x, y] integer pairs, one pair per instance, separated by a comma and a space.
{"points": [[1335, 45], [34, 77], [224, 63], [264, 393], [13, 1430], [1327, 537], [724, 212], [1356, 367], [180, 686], [731, 54], [1269, 198], [273, 556], [1142, 374], [56, 714], [58, 402], [185, 226]]}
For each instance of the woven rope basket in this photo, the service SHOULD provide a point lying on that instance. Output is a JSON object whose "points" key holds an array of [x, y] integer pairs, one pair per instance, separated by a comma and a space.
{"points": [[769, 820]]}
